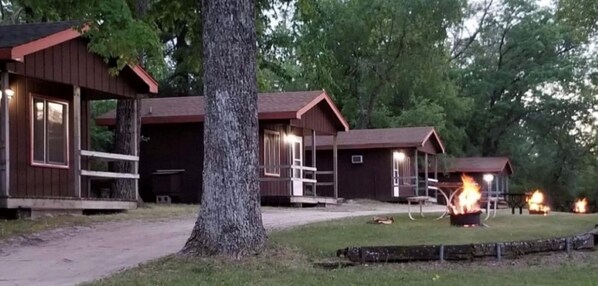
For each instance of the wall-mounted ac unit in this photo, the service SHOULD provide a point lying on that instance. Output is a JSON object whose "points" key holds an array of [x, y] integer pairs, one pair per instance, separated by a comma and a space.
{"points": [[357, 159]]}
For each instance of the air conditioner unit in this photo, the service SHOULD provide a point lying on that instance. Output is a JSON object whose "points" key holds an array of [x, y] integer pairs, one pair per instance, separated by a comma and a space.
{"points": [[357, 159]]}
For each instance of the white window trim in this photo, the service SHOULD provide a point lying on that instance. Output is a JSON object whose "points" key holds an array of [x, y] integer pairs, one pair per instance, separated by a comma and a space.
{"points": [[47, 99], [277, 134]]}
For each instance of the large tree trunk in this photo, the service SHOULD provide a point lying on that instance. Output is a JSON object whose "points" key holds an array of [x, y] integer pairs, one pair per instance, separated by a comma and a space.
{"points": [[123, 132], [230, 221]]}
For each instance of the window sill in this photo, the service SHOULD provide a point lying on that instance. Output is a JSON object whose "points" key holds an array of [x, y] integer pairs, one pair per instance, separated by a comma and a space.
{"points": [[50, 166]]}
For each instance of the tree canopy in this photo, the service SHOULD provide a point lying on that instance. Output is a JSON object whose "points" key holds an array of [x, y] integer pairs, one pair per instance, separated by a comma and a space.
{"points": [[510, 78]]}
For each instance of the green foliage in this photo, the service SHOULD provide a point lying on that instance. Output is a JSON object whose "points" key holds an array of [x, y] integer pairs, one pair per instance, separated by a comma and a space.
{"points": [[112, 29], [380, 59], [527, 73], [100, 136]]}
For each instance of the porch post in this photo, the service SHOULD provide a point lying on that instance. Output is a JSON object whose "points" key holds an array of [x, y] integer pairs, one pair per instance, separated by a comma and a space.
{"points": [[77, 139], [290, 161], [313, 158], [436, 167], [416, 174], [335, 165], [135, 145], [4, 138], [426, 172]]}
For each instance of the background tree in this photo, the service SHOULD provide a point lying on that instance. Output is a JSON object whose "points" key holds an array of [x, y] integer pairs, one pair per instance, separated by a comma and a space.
{"points": [[385, 62], [230, 221]]}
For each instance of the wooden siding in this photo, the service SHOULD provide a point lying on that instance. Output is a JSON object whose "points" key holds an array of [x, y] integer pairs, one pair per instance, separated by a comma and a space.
{"points": [[172, 146], [319, 118], [429, 148], [274, 188], [35, 181], [71, 63], [371, 179]]}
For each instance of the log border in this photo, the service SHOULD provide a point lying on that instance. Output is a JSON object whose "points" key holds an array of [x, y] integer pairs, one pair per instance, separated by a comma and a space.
{"points": [[441, 252]]}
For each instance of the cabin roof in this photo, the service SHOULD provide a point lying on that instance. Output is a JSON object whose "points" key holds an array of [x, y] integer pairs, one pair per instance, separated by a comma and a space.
{"points": [[480, 165], [271, 106], [19, 34], [407, 137], [20, 40]]}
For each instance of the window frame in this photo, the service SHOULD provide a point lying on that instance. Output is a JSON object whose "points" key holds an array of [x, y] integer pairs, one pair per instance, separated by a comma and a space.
{"points": [[66, 116], [278, 137]]}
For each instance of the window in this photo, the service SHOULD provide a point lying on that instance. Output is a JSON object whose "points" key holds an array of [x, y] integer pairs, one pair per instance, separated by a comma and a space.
{"points": [[271, 152], [49, 132]]}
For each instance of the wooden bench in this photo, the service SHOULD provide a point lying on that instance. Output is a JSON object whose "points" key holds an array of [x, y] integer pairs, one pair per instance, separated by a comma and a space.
{"points": [[421, 200]]}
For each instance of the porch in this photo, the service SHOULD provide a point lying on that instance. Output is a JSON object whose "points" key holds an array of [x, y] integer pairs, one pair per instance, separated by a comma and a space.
{"points": [[297, 182], [414, 174], [48, 79]]}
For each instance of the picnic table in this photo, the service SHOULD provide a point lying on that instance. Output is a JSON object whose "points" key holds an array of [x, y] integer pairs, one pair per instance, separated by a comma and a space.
{"points": [[516, 200]]}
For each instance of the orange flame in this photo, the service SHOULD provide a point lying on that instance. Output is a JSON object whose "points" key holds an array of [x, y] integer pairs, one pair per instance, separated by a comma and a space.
{"points": [[581, 206], [467, 201], [536, 202]]}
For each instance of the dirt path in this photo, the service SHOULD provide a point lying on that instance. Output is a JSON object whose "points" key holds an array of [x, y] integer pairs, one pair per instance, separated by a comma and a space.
{"points": [[78, 254]]}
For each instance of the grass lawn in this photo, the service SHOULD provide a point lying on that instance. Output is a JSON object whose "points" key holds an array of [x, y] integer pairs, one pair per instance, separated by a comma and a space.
{"points": [[10, 228], [291, 254]]}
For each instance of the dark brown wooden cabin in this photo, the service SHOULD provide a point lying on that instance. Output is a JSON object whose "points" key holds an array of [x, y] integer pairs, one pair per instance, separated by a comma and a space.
{"points": [[382, 164], [171, 160], [50, 78], [499, 167]]}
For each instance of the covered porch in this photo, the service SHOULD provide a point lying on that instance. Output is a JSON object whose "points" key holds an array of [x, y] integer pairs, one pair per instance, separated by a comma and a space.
{"points": [[414, 173], [289, 173], [46, 159]]}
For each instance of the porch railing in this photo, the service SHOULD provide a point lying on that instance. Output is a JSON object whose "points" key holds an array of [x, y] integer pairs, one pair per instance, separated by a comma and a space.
{"points": [[109, 157], [308, 175]]}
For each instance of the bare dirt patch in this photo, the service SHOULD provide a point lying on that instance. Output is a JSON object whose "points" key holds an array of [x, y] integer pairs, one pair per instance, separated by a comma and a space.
{"points": [[71, 255]]}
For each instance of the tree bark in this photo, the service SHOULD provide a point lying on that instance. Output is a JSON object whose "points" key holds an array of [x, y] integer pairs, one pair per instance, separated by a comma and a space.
{"points": [[230, 221], [123, 132], [123, 188]]}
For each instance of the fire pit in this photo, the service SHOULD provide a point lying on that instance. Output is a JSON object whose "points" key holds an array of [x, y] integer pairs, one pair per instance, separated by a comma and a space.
{"points": [[536, 204], [466, 220], [465, 210], [581, 206]]}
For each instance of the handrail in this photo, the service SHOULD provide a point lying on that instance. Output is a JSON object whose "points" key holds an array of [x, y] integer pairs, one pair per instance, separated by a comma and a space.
{"points": [[109, 156]]}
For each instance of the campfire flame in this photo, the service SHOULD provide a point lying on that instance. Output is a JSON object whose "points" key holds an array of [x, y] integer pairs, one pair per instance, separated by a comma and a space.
{"points": [[536, 203], [468, 199], [581, 206]]}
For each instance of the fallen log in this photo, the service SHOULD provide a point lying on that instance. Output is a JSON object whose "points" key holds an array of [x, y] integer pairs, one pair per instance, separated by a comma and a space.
{"points": [[407, 253]]}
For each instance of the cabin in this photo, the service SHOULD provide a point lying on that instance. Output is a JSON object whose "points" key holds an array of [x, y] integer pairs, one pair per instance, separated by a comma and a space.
{"points": [[48, 79], [389, 164], [171, 161], [492, 173]]}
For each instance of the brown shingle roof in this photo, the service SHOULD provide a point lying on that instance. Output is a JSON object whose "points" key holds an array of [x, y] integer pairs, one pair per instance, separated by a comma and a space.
{"points": [[409, 137], [19, 34], [279, 105], [480, 165]]}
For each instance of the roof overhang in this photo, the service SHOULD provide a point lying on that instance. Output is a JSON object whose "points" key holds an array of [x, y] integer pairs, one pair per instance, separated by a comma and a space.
{"points": [[18, 53], [433, 135], [324, 97]]}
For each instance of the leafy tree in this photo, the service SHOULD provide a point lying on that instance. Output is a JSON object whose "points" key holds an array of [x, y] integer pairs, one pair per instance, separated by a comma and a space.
{"points": [[528, 73], [230, 221], [383, 61]]}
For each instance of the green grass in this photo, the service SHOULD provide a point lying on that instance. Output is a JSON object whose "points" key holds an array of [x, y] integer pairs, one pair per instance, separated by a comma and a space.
{"points": [[290, 256], [10, 228], [323, 239]]}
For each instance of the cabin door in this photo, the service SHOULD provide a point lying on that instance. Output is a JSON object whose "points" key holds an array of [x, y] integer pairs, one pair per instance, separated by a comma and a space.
{"points": [[297, 164], [400, 171], [395, 176]]}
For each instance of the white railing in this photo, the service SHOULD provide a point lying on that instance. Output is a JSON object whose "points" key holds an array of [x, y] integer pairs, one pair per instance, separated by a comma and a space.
{"points": [[109, 157]]}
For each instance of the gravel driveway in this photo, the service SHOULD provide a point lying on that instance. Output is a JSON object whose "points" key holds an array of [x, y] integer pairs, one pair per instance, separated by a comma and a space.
{"points": [[73, 255]]}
